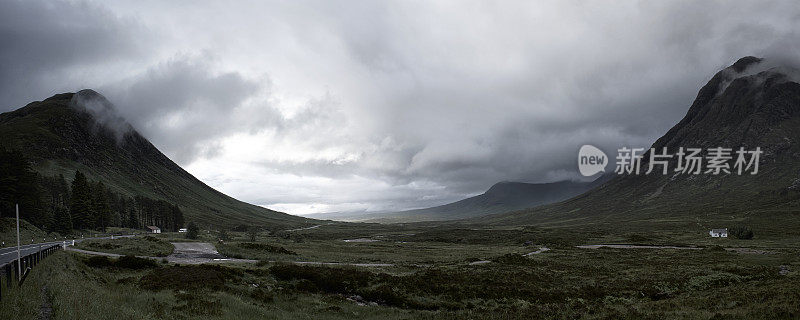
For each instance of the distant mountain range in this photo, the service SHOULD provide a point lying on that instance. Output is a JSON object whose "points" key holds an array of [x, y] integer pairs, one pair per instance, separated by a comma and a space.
{"points": [[748, 104], [501, 197], [81, 131]]}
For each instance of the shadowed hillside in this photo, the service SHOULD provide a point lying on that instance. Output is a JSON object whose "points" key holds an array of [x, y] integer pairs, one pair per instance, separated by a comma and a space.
{"points": [[81, 131], [501, 197], [748, 104]]}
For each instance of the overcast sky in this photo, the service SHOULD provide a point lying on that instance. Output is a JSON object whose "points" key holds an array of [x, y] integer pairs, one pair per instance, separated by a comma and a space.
{"points": [[323, 106]]}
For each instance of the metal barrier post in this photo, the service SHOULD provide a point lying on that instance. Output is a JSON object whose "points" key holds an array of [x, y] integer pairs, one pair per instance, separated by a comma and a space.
{"points": [[14, 268], [8, 274]]}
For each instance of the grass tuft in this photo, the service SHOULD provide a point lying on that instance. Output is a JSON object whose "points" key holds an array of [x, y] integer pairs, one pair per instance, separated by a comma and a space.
{"points": [[192, 277]]}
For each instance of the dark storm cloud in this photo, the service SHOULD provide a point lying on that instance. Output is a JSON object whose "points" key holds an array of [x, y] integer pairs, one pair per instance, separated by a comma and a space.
{"points": [[618, 85], [45, 44], [386, 105]]}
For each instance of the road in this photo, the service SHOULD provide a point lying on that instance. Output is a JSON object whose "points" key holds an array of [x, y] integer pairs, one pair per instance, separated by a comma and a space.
{"points": [[631, 246], [634, 246], [10, 254], [301, 229]]}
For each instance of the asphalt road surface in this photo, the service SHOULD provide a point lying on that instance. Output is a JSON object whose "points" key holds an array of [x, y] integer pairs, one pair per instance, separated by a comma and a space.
{"points": [[10, 253]]}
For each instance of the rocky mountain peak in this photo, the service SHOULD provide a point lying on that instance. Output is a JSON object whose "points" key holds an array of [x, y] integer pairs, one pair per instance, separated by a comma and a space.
{"points": [[743, 63], [740, 106]]}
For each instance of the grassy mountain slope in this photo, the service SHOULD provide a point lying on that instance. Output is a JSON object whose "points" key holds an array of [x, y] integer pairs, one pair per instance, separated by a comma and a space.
{"points": [[69, 132], [501, 197], [745, 105]]}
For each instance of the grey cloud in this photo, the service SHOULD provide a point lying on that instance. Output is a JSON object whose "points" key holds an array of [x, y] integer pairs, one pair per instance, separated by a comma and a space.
{"points": [[634, 92], [405, 104], [184, 107], [45, 45], [103, 111]]}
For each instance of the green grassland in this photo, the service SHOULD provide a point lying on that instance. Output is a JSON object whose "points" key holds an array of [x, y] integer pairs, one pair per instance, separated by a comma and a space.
{"points": [[80, 287], [565, 282], [430, 276], [377, 252]]}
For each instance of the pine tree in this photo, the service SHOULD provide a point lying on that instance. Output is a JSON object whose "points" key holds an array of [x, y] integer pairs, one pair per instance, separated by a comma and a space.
{"points": [[177, 218], [47, 218], [133, 221], [80, 202], [63, 224], [19, 185], [100, 207], [193, 231]]}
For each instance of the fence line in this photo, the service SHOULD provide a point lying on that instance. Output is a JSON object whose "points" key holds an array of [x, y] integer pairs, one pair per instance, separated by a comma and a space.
{"points": [[10, 271]]}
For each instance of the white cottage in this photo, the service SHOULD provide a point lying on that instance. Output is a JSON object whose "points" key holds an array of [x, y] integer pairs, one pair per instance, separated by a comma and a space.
{"points": [[154, 229], [719, 233]]}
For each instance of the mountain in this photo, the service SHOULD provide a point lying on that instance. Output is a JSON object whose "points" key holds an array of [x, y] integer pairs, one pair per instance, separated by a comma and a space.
{"points": [[501, 197], [81, 131], [749, 104]]}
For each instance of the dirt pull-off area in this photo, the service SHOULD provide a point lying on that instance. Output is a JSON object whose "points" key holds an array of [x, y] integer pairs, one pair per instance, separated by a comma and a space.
{"points": [[198, 252]]}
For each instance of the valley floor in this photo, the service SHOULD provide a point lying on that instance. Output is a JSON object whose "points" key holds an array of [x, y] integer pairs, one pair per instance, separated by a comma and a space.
{"points": [[422, 273]]}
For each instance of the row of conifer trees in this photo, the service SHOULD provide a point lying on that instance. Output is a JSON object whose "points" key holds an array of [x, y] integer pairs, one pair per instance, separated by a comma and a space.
{"points": [[55, 204]]}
